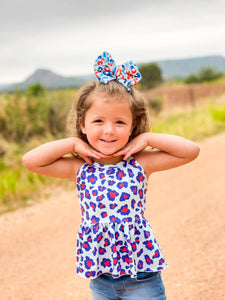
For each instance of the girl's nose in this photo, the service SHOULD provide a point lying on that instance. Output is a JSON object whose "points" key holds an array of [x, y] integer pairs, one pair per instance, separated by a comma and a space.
{"points": [[108, 128]]}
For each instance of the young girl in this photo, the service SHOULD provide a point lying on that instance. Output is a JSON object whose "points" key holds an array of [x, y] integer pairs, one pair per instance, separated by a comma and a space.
{"points": [[116, 246]]}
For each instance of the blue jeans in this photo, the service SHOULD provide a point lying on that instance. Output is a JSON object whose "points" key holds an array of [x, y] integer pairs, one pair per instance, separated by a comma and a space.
{"points": [[147, 286]]}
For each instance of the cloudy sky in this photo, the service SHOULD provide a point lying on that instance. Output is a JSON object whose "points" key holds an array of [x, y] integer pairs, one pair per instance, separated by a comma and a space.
{"points": [[66, 36]]}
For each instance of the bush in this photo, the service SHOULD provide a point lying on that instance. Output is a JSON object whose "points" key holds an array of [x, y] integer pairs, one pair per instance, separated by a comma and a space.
{"points": [[191, 79], [26, 120], [155, 104], [151, 75], [204, 75], [23, 117], [35, 90], [208, 74]]}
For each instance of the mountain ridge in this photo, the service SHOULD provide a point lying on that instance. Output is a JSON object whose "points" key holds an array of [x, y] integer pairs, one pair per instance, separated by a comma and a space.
{"points": [[50, 80], [179, 68], [171, 68]]}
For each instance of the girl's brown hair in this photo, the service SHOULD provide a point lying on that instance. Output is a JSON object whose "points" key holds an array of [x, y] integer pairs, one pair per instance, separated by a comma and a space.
{"points": [[82, 103]]}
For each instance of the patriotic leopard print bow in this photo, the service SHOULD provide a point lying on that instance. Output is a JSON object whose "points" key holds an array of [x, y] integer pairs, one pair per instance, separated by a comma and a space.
{"points": [[106, 70]]}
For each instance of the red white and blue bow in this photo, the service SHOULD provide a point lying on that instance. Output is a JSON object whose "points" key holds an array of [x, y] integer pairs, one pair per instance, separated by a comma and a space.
{"points": [[106, 70]]}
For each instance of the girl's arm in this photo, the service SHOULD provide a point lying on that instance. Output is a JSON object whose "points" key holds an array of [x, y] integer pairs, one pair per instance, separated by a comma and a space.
{"points": [[170, 151], [49, 159]]}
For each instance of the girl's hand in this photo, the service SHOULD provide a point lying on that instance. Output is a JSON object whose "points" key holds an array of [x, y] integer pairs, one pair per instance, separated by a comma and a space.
{"points": [[138, 144], [50, 159], [85, 151], [170, 151]]}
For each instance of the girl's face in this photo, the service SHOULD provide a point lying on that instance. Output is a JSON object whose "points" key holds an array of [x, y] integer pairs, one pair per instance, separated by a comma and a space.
{"points": [[108, 123]]}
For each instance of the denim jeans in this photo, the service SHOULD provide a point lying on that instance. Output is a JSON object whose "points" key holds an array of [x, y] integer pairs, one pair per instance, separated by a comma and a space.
{"points": [[147, 286]]}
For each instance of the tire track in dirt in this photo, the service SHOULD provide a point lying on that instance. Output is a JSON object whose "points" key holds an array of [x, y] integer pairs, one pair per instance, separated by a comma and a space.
{"points": [[185, 207]]}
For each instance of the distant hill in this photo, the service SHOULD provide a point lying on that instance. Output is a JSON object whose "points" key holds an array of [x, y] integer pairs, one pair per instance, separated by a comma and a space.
{"points": [[176, 68], [49, 80], [180, 68], [52, 80]]}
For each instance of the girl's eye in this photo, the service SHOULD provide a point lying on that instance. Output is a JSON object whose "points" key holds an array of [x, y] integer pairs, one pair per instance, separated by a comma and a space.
{"points": [[120, 122], [98, 121]]}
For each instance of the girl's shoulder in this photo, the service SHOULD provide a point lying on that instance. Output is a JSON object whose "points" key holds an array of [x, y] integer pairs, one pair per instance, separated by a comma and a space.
{"points": [[144, 159], [76, 164]]}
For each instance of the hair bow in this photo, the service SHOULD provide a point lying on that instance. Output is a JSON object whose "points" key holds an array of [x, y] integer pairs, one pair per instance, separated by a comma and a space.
{"points": [[106, 70]]}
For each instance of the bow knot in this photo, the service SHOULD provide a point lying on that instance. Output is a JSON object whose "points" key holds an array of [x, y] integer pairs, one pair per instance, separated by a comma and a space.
{"points": [[106, 70]]}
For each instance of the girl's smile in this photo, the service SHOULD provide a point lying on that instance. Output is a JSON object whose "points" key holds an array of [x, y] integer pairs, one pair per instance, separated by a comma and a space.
{"points": [[107, 141], [108, 123]]}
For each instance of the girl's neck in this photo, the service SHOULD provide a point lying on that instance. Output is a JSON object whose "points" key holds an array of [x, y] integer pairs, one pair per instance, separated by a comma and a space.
{"points": [[109, 161]]}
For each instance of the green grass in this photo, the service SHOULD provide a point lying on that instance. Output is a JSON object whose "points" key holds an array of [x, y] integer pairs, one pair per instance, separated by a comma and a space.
{"points": [[194, 124], [17, 187], [20, 188], [218, 113]]}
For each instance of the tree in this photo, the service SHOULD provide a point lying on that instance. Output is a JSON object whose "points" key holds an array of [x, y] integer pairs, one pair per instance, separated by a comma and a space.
{"points": [[35, 90], [151, 75], [208, 74], [191, 79], [204, 75]]}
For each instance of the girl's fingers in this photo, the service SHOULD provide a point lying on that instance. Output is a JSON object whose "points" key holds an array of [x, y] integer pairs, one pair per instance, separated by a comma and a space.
{"points": [[95, 155], [130, 149], [88, 161], [126, 152], [98, 155], [89, 154], [119, 153]]}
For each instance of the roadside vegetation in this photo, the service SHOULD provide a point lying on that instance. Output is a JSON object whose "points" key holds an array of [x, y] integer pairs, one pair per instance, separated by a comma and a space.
{"points": [[206, 74], [36, 115]]}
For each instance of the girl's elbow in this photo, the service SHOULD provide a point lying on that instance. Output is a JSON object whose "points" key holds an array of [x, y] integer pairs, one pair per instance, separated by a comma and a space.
{"points": [[27, 162], [195, 152]]}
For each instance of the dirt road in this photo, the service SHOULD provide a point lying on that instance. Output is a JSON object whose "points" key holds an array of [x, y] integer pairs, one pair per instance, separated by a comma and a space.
{"points": [[186, 208]]}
